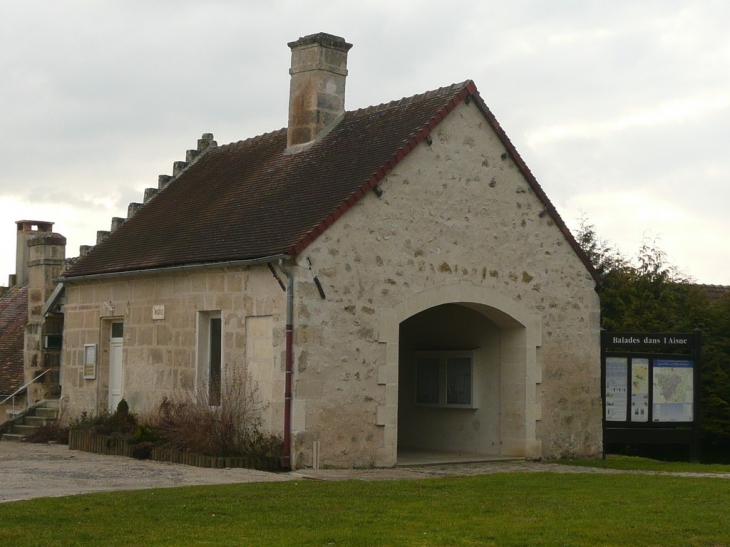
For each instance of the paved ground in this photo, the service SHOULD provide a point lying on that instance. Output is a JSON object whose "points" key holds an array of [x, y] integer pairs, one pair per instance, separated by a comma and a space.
{"points": [[45, 470], [36, 470]]}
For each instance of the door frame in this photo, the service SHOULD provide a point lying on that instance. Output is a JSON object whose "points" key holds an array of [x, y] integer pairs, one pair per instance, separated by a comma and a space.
{"points": [[115, 342]]}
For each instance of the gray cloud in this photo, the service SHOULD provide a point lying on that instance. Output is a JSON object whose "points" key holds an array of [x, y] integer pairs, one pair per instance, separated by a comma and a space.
{"points": [[97, 99]]}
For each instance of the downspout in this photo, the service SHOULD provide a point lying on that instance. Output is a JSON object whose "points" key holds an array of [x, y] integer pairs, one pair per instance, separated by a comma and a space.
{"points": [[286, 460]]}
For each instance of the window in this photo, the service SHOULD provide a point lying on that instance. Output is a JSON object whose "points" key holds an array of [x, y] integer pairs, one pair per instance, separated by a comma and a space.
{"points": [[117, 330], [210, 356], [444, 378], [214, 363]]}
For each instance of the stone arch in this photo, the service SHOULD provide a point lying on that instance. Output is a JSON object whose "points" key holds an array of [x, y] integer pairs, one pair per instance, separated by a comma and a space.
{"points": [[520, 333]]}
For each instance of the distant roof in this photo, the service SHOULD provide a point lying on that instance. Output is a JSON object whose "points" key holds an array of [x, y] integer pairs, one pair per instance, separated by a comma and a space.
{"points": [[13, 318], [250, 200], [715, 292]]}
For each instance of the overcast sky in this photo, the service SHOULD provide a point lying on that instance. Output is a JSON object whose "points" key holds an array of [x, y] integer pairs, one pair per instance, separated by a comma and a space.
{"points": [[621, 109]]}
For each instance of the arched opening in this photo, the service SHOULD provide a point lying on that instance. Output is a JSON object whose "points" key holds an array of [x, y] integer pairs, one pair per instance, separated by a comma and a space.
{"points": [[501, 338], [449, 377]]}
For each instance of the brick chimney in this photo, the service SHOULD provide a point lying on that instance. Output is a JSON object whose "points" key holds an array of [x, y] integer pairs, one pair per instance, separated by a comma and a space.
{"points": [[317, 89], [27, 229]]}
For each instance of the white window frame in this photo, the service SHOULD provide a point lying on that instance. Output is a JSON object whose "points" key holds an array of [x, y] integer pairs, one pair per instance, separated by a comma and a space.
{"points": [[443, 358], [202, 377]]}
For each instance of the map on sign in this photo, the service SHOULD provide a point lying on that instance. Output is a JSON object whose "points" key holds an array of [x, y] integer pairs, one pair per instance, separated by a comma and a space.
{"points": [[616, 388], [673, 390], [640, 390]]}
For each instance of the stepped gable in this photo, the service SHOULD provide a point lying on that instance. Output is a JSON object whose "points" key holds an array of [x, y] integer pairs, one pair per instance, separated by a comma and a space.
{"points": [[255, 198], [13, 318]]}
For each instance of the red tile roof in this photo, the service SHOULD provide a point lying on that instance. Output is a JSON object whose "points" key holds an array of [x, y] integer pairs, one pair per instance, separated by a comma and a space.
{"points": [[249, 200], [13, 318]]}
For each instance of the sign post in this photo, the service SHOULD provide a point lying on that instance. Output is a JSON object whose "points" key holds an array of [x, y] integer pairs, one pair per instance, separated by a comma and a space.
{"points": [[650, 384]]}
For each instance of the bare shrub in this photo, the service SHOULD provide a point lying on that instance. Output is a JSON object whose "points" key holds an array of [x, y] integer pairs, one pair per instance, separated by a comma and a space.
{"points": [[51, 432], [186, 421]]}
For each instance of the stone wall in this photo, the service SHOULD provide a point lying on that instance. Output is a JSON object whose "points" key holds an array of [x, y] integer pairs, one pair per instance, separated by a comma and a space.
{"points": [[159, 355], [457, 224], [46, 253], [454, 214]]}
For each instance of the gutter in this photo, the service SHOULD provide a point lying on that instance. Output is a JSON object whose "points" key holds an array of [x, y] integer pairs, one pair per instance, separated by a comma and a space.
{"points": [[286, 460], [175, 269]]}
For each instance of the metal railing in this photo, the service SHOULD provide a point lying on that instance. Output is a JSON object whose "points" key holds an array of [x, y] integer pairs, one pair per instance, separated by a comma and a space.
{"points": [[12, 395]]}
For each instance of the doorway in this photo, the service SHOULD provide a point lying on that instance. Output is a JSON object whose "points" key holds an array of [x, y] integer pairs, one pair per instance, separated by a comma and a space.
{"points": [[116, 369]]}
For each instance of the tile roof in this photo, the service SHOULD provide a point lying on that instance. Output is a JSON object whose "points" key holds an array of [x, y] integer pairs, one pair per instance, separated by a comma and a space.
{"points": [[249, 200], [715, 292], [13, 318]]}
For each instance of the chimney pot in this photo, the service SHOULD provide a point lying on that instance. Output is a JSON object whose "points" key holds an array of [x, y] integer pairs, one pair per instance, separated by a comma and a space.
{"points": [[27, 229], [317, 87], [84, 249]]}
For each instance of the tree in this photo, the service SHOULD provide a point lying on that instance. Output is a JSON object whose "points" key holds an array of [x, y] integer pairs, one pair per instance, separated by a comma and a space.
{"points": [[647, 294]]}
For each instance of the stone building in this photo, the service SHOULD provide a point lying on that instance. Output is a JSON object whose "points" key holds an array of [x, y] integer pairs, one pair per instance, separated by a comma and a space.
{"points": [[30, 328], [393, 279], [13, 318]]}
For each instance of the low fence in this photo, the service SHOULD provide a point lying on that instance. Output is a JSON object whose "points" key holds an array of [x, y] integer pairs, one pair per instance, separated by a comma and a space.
{"points": [[112, 445]]}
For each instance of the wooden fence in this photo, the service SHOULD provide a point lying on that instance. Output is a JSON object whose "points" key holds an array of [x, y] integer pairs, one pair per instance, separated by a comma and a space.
{"points": [[112, 445]]}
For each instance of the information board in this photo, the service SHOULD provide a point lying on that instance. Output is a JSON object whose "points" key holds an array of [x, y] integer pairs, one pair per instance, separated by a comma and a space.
{"points": [[89, 361], [651, 388]]}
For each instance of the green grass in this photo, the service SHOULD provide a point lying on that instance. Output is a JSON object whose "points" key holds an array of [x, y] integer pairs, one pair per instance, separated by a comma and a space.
{"points": [[515, 509], [645, 464]]}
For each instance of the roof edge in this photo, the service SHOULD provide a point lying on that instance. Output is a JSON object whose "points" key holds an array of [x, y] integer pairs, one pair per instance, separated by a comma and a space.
{"points": [[461, 91], [467, 88], [532, 181], [168, 269]]}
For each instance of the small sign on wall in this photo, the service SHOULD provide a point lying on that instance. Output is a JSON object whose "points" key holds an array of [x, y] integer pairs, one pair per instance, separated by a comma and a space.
{"points": [[90, 361], [158, 313]]}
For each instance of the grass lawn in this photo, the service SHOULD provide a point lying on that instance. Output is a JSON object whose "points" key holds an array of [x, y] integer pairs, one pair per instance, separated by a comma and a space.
{"points": [[518, 509]]}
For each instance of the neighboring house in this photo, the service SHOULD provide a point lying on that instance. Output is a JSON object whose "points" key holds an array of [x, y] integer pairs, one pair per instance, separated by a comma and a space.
{"points": [[30, 332], [715, 292], [392, 278], [13, 317]]}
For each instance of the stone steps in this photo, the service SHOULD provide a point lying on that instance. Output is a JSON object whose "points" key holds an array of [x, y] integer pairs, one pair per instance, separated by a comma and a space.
{"points": [[46, 413], [27, 421]]}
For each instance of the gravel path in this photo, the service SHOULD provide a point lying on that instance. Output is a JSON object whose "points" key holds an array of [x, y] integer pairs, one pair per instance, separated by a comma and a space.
{"points": [[46, 470], [37, 470], [470, 469]]}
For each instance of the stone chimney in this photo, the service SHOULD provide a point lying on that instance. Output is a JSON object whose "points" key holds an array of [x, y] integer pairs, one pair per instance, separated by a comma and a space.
{"points": [[317, 89], [27, 229], [46, 260]]}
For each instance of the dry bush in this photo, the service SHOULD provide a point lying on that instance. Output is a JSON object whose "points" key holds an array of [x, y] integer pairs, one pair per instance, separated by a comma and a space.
{"points": [[185, 421], [51, 432]]}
